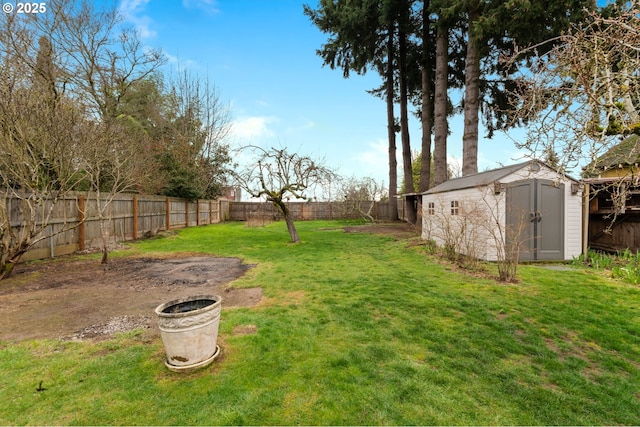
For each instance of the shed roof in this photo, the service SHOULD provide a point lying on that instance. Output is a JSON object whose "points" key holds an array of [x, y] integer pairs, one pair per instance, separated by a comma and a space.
{"points": [[625, 153], [482, 178]]}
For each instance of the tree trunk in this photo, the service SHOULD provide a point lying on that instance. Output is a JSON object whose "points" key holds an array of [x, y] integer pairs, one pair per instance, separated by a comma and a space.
{"points": [[104, 225], [295, 238], [105, 241], [410, 211], [426, 114], [440, 107], [13, 245], [471, 98], [286, 213], [391, 131], [8, 263], [5, 269]]}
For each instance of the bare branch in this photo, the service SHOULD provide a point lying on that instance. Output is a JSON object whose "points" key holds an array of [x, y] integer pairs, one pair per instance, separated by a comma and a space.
{"points": [[585, 91], [277, 175]]}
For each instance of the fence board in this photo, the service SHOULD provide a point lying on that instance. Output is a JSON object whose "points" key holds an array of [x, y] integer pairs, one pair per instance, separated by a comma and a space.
{"points": [[68, 225], [243, 211], [625, 233]]}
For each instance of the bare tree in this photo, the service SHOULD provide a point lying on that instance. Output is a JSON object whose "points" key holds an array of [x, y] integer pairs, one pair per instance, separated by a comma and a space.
{"points": [[457, 229], [111, 165], [41, 130], [98, 58], [585, 91], [198, 124], [508, 238], [277, 175], [195, 127], [359, 195], [477, 229], [63, 75]]}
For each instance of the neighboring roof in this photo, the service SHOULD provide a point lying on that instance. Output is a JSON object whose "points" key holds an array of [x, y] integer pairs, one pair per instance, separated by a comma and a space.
{"points": [[625, 153], [482, 178]]}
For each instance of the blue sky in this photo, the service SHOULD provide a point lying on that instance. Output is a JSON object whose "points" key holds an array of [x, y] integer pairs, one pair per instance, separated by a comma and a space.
{"points": [[260, 54]]}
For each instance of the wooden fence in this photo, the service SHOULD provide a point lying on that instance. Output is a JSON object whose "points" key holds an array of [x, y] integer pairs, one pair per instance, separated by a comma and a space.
{"points": [[245, 211], [75, 224]]}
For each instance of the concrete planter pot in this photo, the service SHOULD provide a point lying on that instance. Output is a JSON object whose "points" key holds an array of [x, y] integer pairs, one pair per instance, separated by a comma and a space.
{"points": [[189, 331]]}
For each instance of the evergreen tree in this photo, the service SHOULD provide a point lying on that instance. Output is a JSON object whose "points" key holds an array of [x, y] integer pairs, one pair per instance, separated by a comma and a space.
{"points": [[426, 104], [494, 29], [362, 35]]}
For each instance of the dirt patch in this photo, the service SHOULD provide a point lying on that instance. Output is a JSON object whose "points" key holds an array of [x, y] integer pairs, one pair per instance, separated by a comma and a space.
{"points": [[397, 230], [83, 299], [245, 330], [71, 299]]}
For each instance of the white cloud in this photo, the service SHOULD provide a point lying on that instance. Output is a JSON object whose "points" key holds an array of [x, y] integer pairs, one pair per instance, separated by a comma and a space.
{"points": [[209, 6], [373, 162], [376, 156], [170, 58], [133, 11], [252, 128], [178, 64], [305, 125]]}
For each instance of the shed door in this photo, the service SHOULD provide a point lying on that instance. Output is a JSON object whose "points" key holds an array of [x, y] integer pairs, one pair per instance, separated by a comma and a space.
{"points": [[535, 219]]}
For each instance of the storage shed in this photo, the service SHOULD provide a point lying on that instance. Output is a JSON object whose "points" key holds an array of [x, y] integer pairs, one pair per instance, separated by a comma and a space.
{"points": [[528, 206]]}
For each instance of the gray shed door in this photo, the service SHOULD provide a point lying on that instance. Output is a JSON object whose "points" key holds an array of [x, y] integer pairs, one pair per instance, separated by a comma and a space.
{"points": [[535, 219]]}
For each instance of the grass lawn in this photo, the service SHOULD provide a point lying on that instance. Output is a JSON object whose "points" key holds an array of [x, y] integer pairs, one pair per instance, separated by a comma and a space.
{"points": [[355, 329]]}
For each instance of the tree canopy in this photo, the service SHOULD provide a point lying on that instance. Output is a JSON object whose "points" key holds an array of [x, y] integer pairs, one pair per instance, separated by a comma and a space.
{"points": [[583, 92], [398, 37], [84, 105]]}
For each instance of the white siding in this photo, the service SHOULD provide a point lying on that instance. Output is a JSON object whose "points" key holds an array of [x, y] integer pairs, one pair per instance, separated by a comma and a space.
{"points": [[573, 223], [524, 173], [474, 230], [481, 222]]}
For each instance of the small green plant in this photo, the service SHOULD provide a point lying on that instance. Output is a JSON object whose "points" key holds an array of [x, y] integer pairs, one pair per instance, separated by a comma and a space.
{"points": [[431, 246], [623, 265], [628, 274], [594, 259], [450, 251], [578, 261]]}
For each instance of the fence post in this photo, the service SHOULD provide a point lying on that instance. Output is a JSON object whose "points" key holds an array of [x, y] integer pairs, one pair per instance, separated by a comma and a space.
{"points": [[168, 213], [197, 212], [81, 223], [210, 211], [186, 213], [135, 217]]}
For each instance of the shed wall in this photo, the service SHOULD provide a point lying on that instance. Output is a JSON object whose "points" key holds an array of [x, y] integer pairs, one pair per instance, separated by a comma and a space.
{"points": [[478, 229], [473, 230]]}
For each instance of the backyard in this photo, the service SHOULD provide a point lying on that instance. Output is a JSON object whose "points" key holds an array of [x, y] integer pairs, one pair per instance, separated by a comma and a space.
{"points": [[348, 327]]}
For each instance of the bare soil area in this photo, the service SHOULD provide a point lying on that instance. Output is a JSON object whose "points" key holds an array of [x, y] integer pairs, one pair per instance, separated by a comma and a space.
{"points": [[397, 230], [72, 299], [81, 299]]}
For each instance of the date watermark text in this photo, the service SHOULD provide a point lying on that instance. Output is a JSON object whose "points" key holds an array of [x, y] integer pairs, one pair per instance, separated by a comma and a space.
{"points": [[27, 7]]}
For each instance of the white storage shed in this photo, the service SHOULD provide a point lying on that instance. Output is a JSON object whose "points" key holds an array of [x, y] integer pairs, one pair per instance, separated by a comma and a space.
{"points": [[528, 206]]}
